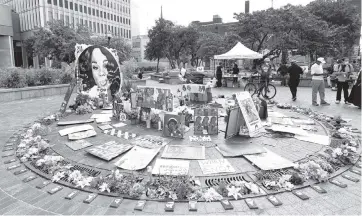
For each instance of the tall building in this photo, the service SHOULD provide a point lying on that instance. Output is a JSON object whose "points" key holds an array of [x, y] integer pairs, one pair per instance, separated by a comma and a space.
{"points": [[135, 19], [103, 17], [139, 46]]}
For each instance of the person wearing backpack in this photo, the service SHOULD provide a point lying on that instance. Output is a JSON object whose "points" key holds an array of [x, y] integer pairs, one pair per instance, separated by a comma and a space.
{"points": [[344, 71]]}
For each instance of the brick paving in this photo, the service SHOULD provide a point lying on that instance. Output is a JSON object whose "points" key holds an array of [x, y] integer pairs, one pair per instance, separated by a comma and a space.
{"points": [[19, 198]]}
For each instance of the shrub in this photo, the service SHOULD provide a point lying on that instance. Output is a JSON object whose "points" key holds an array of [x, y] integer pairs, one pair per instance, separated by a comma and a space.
{"points": [[12, 78], [128, 68]]}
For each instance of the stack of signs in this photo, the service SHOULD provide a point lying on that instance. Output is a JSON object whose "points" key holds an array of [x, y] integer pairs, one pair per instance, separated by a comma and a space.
{"points": [[174, 126], [149, 141], [250, 114], [118, 133], [109, 150], [78, 132], [171, 167], [101, 118], [79, 144], [82, 135], [137, 158], [152, 97], [206, 121], [184, 152], [209, 167]]}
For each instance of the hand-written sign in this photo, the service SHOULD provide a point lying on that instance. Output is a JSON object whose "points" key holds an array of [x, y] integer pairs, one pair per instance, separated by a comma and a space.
{"points": [[184, 152], [171, 167], [149, 141], [137, 158], [109, 150], [215, 166], [82, 135]]}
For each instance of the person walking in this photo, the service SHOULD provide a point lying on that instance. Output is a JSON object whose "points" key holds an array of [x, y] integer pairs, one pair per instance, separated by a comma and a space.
{"points": [[219, 75], [355, 96], [283, 71], [294, 72], [318, 82], [235, 72], [344, 71]]}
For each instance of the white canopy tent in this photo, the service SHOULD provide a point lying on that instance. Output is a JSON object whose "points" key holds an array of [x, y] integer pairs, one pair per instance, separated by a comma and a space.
{"points": [[239, 51]]}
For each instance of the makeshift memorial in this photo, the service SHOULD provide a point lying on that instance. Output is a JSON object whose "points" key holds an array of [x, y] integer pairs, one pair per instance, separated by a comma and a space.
{"points": [[184, 152], [206, 121], [234, 121], [238, 146], [118, 133], [174, 126], [72, 195], [269, 161], [10, 161], [20, 171], [216, 166], [250, 115], [82, 135], [105, 127], [64, 123], [171, 167], [122, 117], [149, 141], [137, 158], [42, 184], [75, 129], [338, 183], [133, 116], [109, 150], [101, 116]]}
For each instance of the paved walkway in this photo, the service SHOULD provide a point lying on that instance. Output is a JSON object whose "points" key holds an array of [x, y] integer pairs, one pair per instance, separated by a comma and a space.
{"points": [[18, 198]]}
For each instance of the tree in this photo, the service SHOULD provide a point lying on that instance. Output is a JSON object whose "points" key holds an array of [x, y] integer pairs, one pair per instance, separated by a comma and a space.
{"points": [[344, 23], [57, 42], [156, 47]]}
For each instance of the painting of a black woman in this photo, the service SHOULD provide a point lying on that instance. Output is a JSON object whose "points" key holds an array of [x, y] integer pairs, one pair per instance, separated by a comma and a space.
{"points": [[99, 72]]}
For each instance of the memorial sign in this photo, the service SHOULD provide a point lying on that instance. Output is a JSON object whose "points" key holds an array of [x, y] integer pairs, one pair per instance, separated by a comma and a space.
{"points": [[137, 158], [149, 141], [152, 97], [174, 126], [75, 129], [64, 123], [216, 166], [171, 167], [269, 161], [78, 145], [82, 135], [184, 152], [206, 121], [109, 150]]}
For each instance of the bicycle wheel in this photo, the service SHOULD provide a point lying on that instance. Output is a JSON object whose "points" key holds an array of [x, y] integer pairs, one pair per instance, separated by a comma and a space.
{"points": [[251, 88], [269, 91]]}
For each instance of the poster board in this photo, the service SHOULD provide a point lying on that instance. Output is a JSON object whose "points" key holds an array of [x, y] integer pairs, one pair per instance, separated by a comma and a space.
{"points": [[193, 88], [235, 121], [206, 121], [216, 166], [269, 161], [184, 152], [149, 141], [82, 135], [75, 129], [174, 126], [109, 150], [171, 167], [200, 69], [152, 97], [137, 158], [250, 114], [78, 145]]}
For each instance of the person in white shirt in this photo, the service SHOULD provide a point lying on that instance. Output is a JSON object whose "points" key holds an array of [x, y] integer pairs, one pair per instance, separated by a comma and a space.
{"points": [[318, 82]]}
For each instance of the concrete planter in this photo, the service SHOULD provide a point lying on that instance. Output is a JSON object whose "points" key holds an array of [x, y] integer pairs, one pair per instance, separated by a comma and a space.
{"points": [[141, 82], [32, 92]]}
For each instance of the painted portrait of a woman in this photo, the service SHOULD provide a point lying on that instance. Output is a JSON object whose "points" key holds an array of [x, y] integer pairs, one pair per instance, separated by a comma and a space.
{"points": [[99, 71]]}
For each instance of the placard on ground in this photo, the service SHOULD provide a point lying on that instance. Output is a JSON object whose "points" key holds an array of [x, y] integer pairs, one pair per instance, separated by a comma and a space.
{"points": [[137, 158], [269, 161], [78, 145], [109, 150], [215, 166], [171, 167], [184, 152]]}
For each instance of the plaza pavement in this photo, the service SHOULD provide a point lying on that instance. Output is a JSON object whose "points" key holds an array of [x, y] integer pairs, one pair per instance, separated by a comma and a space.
{"points": [[18, 198]]}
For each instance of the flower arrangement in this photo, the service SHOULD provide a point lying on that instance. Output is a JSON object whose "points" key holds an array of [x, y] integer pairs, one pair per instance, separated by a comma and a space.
{"points": [[312, 170], [83, 109], [133, 114]]}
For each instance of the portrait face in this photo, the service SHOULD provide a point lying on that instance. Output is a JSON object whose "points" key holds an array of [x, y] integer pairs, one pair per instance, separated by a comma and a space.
{"points": [[99, 70], [198, 120]]}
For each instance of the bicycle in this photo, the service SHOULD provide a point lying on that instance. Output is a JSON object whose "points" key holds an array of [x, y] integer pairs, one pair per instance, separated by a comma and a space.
{"points": [[267, 90]]}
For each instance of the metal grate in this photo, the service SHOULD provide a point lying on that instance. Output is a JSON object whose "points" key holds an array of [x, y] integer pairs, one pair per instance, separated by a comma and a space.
{"points": [[210, 182]]}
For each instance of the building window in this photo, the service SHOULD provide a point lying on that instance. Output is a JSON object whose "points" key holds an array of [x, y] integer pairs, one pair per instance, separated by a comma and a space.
{"points": [[55, 2], [90, 25], [71, 5], [75, 6], [107, 4], [100, 2], [94, 27], [62, 18], [66, 4], [111, 5], [97, 1], [89, 11], [105, 15], [60, 3], [94, 12], [98, 27], [85, 9], [124, 21], [117, 18], [49, 1], [81, 21], [102, 28], [111, 16], [97, 13], [67, 20], [108, 15], [50, 15], [112, 29], [56, 15]]}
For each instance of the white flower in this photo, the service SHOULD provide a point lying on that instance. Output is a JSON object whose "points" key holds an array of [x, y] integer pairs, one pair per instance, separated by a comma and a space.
{"points": [[58, 176], [36, 126], [252, 187], [173, 195], [234, 192], [75, 176], [211, 195], [40, 162], [84, 182], [104, 187], [33, 150]]}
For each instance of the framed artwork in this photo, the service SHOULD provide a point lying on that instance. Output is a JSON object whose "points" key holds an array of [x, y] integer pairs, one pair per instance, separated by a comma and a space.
{"points": [[174, 126], [206, 121], [98, 71], [250, 114], [152, 97]]}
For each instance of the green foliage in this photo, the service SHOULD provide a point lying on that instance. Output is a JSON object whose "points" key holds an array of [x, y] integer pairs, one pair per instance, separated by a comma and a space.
{"points": [[129, 68], [20, 77], [57, 42]]}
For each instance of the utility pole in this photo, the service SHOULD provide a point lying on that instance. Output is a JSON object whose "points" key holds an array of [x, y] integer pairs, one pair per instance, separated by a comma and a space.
{"points": [[272, 1]]}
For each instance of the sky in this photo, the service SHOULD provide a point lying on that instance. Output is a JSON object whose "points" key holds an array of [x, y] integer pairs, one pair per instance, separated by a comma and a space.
{"points": [[183, 12]]}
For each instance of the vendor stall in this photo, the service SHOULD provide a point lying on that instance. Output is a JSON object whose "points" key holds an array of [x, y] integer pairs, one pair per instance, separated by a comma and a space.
{"points": [[239, 51]]}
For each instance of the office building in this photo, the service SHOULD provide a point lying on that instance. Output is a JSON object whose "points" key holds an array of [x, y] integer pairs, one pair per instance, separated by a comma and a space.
{"points": [[103, 17], [139, 46]]}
